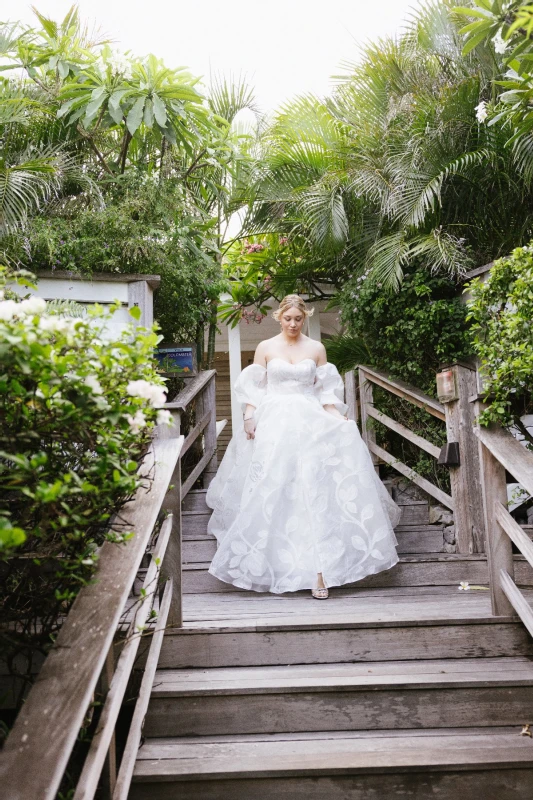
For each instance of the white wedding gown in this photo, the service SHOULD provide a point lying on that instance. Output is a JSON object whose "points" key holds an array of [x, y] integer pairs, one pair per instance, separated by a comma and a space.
{"points": [[303, 496]]}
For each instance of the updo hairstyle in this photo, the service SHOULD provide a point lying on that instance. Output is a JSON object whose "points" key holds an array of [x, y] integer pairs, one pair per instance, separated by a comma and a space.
{"points": [[292, 301]]}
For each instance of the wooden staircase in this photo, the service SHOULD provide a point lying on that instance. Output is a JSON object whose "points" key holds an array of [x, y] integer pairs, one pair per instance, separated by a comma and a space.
{"points": [[400, 685]]}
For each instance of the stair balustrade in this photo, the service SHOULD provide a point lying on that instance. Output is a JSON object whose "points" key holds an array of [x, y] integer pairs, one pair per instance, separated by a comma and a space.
{"points": [[82, 659]]}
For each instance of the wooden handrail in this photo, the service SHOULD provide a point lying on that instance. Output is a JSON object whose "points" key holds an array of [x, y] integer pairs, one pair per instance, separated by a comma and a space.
{"points": [[41, 741], [404, 390], [47, 726], [408, 434], [510, 453], [500, 451], [412, 475]]}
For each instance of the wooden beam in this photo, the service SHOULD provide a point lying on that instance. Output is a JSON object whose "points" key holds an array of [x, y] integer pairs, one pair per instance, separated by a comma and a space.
{"points": [[514, 531], [194, 387], [47, 726], [509, 452], [404, 390], [413, 476], [197, 471], [517, 600], [350, 386], [195, 433], [92, 768], [221, 424], [498, 545], [367, 400], [127, 763], [465, 479], [432, 449]]}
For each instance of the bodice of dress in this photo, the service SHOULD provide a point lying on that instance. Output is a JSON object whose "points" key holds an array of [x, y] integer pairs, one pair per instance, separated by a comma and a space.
{"points": [[323, 383], [286, 378]]}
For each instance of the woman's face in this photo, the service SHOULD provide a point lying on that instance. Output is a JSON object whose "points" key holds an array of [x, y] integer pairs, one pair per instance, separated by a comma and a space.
{"points": [[292, 321]]}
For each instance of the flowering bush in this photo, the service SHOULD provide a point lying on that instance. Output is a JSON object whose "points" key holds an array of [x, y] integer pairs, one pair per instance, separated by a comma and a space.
{"points": [[502, 310], [76, 410]]}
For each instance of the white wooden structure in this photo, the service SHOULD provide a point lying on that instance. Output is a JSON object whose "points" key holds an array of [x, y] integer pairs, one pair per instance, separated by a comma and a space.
{"points": [[104, 288]]}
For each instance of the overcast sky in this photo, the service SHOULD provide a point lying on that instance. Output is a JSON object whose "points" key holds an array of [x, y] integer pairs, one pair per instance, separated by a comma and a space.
{"points": [[284, 47]]}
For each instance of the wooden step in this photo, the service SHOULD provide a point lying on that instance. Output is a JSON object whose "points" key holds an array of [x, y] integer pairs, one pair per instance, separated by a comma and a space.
{"points": [[195, 501], [201, 547], [438, 569], [379, 696], [478, 765], [286, 642]]}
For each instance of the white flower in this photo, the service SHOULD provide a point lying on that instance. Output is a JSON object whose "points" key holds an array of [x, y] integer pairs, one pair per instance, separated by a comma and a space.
{"points": [[136, 422], [464, 586], [94, 384], [148, 391], [31, 306], [8, 309], [164, 417], [500, 46], [53, 323], [481, 111]]}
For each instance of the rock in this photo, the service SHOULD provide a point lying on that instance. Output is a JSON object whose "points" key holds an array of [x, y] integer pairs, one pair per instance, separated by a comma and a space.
{"points": [[440, 514], [449, 534]]}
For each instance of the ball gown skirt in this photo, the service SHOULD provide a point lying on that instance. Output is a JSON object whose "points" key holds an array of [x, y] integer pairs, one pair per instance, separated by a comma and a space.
{"points": [[303, 497]]}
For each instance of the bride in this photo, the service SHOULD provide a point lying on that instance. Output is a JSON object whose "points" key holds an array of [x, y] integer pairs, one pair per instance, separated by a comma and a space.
{"points": [[296, 501]]}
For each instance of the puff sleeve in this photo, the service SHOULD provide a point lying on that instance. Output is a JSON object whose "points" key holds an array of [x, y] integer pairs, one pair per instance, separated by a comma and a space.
{"points": [[250, 386], [329, 387]]}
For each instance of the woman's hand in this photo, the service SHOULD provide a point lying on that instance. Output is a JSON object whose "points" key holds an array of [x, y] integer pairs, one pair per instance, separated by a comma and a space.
{"points": [[249, 421], [333, 410]]}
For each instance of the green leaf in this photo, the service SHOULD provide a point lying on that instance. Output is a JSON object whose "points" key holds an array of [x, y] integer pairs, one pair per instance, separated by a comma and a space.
{"points": [[159, 111], [135, 312], [135, 115]]}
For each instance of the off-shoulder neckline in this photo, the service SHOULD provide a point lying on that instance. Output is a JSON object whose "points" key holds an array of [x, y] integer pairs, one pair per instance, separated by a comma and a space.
{"points": [[277, 358]]}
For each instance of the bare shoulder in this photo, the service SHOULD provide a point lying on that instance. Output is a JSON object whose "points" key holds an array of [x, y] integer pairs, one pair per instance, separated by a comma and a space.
{"points": [[320, 353], [261, 351]]}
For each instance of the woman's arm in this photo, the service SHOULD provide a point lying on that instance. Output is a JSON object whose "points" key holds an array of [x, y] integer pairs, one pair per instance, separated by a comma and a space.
{"points": [[321, 360], [249, 422]]}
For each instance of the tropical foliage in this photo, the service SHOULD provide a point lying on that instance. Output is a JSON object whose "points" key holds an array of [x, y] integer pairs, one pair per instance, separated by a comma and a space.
{"points": [[502, 310], [135, 167]]}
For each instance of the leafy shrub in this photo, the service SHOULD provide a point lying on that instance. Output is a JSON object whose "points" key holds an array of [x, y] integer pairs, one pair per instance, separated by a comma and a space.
{"points": [[76, 410], [143, 228], [407, 334], [502, 314]]}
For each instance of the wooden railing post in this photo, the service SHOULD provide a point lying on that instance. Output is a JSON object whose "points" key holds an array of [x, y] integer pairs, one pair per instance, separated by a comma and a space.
{"points": [[465, 479], [366, 396], [498, 544], [206, 402], [350, 389], [171, 567]]}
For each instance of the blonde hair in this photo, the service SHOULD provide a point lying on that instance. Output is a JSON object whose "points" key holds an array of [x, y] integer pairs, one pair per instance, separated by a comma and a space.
{"points": [[292, 301]]}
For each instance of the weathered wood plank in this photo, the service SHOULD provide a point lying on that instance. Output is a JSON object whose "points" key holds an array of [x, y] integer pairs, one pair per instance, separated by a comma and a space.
{"points": [[517, 600], [465, 479], [48, 724], [509, 452], [404, 390], [197, 471], [408, 434], [92, 768], [350, 392], [367, 431], [498, 545], [189, 392], [468, 639], [514, 531], [402, 704], [413, 476], [127, 763], [195, 433]]}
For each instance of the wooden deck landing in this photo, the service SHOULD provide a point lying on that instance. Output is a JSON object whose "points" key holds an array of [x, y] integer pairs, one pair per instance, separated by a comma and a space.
{"points": [[410, 604]]}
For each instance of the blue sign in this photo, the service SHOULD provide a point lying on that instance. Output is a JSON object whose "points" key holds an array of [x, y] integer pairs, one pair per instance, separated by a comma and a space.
{"points": [[177, 360]]}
